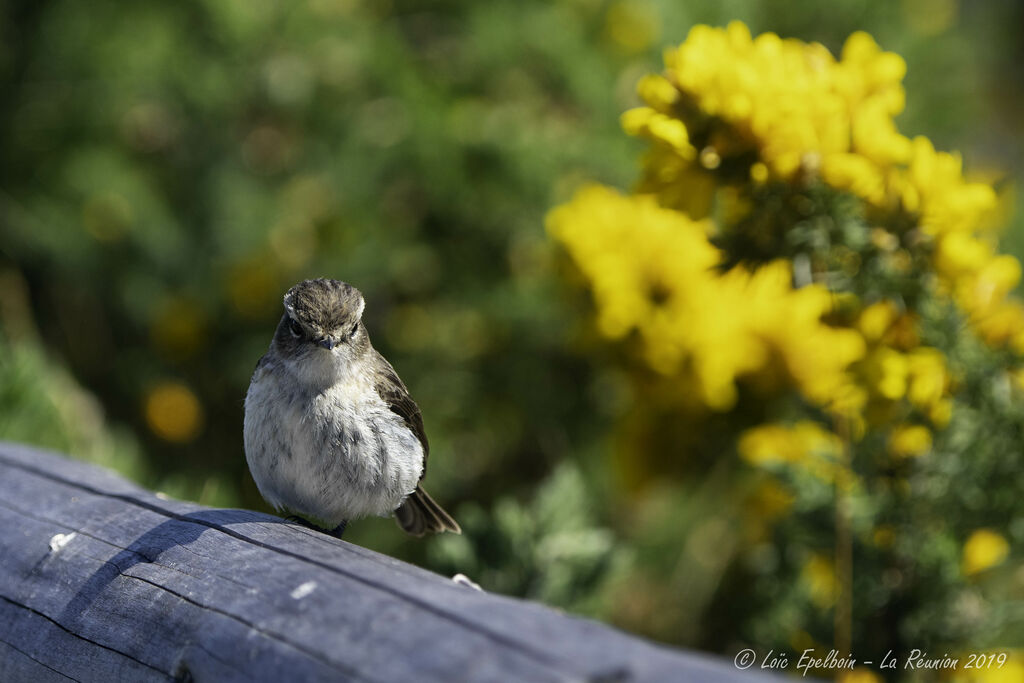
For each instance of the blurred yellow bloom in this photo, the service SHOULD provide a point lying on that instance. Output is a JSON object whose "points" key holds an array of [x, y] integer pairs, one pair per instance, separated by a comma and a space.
{"points": [[658, 92], [887, 373], [659, 127], [848, 405], [796, 102], [983, 550], [637, 256], [253, 287], [928, 377], [633, 25], [1003, 324], [759, 172], [770, 501], [652, 270], [804, 112], [929, 18], [800, 640], [920, 375], [875, 320], [909, 441], [805, 444], [958, 254], [990, 671], [1017, 378], [855, 173], [819, 576], [884, 536], [179, 327], [173, 412], [884, 240], [946, 200]]}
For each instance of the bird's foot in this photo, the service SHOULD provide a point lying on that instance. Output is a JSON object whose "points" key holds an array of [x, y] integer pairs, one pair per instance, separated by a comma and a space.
{"points": [[336, 531], [295, 519]]}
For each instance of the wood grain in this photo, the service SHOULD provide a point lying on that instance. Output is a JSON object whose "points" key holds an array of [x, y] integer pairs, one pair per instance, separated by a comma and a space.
{"points": [[150, 589]]}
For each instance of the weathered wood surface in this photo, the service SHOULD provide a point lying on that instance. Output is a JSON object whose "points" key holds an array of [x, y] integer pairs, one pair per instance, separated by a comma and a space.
{"points": [[101, 580]]}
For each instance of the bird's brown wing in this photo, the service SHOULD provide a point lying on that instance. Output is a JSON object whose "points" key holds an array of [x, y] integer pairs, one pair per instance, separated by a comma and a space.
{"points": [[418, 514], [390, 388]]}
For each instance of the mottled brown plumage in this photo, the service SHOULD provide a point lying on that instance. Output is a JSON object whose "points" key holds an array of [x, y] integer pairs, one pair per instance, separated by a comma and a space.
{"points": [[331, 431]]}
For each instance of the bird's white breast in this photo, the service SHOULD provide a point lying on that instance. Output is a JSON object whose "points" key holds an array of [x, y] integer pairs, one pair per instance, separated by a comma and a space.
{"points": [[333, 453]]}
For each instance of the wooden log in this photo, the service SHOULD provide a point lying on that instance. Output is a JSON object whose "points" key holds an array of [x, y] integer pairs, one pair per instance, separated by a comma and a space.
{"points": [[101, 580]]}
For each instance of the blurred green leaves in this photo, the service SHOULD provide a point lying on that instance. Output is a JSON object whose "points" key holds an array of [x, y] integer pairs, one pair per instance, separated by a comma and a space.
{"points": [[550, 548]]}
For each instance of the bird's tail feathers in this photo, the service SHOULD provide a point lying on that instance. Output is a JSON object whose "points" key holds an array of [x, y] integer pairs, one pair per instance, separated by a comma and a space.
{"points": [[420, 515]]}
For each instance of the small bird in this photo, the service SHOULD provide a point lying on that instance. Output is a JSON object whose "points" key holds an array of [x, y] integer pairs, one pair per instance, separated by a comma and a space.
{"points": [[331, 432]]}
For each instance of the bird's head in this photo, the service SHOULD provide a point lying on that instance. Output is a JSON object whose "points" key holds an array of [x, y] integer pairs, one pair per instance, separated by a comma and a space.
{"points": [[322, 326]]}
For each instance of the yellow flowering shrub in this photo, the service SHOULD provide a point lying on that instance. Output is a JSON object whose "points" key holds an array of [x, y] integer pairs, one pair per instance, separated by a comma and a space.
{"points": [[789, 109], [796, 284], [789, 112]]}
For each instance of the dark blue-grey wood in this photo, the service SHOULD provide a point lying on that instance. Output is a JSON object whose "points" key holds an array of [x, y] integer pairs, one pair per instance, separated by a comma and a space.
{"points": [[156, 589]]}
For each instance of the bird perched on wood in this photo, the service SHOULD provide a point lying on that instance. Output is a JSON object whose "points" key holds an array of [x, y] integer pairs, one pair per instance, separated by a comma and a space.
{"points": [[331, 432]]}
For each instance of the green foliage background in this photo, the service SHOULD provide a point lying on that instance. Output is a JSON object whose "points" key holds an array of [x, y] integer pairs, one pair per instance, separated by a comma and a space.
{"points": [[167, 170]]}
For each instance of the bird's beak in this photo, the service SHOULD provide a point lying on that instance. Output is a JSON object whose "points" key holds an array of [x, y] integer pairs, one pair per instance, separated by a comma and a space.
{"points": [[327, 343]]}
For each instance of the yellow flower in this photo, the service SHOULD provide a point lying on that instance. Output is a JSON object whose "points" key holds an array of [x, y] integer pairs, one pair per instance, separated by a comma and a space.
{"points": [[769, 444], [855, 173], [1000, 666], [637, 257], [794, 101], [847, 405], [805, 113], [819, 575], [983, 550], [941, 412], [947, 202], [658, 92], [653, 270], [759, 172], [173, 412], [875, 320], [632, 25], [887, 373], [907, 441], [806, 445], [928, 377], [920, 375], [960, 253], [659, 127], [787, 323]]}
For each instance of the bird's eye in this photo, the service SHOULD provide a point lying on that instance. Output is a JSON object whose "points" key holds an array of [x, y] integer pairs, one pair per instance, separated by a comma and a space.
{"points": [[294, 327], [352, 333]]}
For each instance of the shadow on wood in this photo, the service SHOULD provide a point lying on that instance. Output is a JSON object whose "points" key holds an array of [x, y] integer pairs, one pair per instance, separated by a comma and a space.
{"points": [[103, 580]]}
